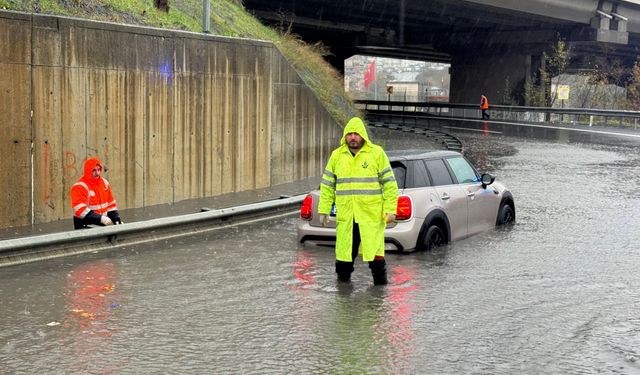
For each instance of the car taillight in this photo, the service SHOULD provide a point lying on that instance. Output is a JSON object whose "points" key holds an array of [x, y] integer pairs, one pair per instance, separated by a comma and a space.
{"points": [[404, 209], [306, 210]]}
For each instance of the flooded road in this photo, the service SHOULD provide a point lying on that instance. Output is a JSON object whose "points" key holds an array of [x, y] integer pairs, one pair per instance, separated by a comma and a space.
{"points": [[559, 292]]}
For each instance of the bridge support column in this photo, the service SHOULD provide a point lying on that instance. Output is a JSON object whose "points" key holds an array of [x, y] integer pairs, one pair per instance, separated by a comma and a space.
{"points": [[500, 77]]}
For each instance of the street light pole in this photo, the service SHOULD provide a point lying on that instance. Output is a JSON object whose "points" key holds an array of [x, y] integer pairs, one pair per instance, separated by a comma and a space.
{"points": [[205, 17]]}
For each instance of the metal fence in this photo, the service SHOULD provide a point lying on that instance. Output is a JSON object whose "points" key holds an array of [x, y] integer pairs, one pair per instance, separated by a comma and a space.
{"points": [[560, 116]]}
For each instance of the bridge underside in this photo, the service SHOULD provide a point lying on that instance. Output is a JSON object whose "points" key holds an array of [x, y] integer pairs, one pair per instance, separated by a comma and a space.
{"points": [[484, 40]]}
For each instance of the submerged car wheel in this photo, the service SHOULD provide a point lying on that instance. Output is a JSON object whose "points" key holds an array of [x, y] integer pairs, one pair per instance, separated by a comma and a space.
{"points": [[433, 238], [506, 215]]}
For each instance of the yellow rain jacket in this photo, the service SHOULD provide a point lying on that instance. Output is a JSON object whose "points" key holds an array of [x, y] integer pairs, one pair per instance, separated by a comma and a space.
{"points": [[364, 189]]}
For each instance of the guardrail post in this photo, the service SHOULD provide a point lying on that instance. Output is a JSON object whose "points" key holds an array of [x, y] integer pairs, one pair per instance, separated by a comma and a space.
{"points": [[635, 123], [590, 120]]}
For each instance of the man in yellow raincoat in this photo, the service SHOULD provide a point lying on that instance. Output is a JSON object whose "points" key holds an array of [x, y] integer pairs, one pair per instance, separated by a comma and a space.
{"points": [[359, 180]]}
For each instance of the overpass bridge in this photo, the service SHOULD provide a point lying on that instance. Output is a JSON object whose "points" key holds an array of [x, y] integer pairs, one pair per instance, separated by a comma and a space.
{"points": [[487, 42]]}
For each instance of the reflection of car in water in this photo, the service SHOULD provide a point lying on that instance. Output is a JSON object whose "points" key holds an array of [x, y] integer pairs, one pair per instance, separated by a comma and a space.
{"points": [[442, 198]]}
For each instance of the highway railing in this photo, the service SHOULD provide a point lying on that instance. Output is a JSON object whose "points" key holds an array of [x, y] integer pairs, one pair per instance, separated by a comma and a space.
{"points": [[568, 116], [41, 247]]}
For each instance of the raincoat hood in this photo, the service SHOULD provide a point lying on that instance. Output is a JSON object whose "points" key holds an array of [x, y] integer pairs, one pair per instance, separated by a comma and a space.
{"points": [[89, 164], [355, 125]]}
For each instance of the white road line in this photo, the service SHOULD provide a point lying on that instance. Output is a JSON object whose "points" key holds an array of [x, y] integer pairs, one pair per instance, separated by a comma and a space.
{"points": [[543, 126], [472, 130]]}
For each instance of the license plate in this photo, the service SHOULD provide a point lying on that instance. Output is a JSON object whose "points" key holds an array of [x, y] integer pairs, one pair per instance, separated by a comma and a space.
{"points": [[333, 210]]}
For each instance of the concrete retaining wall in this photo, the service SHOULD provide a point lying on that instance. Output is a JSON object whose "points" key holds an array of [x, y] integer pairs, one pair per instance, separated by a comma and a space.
{"points": [[173, 115]]}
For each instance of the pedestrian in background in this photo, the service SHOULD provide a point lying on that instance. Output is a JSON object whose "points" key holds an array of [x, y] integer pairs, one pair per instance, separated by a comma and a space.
{"points": [[92, 201], [484, 106], [358, 178]]}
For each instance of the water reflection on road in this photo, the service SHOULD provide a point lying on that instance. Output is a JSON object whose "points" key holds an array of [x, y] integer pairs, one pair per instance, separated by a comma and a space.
{"points": [[557, 293]]}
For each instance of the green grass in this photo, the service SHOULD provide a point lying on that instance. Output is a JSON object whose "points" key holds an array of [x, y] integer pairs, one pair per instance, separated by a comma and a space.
{"points": [[228, 18]]}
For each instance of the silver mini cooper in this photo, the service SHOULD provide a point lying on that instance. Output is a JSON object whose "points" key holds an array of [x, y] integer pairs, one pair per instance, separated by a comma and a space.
{"points": [[442, 198]]}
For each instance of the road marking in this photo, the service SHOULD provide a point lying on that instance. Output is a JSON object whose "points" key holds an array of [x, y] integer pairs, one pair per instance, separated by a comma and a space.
{"points": [[472, 130], [541, 126]]}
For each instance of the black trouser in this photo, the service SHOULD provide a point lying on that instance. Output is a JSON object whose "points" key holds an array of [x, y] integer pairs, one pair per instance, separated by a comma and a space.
{"points": [[485, 114], [377, 266]]}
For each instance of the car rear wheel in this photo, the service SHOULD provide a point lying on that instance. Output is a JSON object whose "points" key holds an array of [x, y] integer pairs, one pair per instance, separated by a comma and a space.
{"points": [[433, 238], [506, 215]]}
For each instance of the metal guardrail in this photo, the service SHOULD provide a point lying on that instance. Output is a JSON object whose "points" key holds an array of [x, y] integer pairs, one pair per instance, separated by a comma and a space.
{"points": [[574, 116], [34, 248]]}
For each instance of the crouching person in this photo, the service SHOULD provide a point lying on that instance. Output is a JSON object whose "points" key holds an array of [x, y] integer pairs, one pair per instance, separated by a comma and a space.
{"points": [[92, 201]]}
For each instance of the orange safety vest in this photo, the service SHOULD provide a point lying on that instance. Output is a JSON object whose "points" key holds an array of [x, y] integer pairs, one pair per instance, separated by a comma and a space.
{"points": [[91, 194], [484, 102]]}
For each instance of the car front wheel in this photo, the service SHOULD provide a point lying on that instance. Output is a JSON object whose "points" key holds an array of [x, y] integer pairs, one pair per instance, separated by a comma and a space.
{"points": [[506, 215], [433, 238]]}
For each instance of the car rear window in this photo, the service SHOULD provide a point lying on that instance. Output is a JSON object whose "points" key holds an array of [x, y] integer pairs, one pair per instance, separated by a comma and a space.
{"points": [[400, 171], [417, 176], [439, 172]]}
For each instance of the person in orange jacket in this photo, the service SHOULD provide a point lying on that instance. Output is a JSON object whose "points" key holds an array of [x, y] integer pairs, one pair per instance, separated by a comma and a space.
{"points": [[484, 106], [92, 201]]}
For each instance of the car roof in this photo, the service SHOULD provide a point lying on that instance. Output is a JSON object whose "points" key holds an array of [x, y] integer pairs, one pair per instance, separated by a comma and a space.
{"points": [[416, 154]]}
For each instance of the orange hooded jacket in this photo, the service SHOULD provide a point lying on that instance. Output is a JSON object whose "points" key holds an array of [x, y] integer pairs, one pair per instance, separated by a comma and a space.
{"points": [[92, 197], [484, 102]]}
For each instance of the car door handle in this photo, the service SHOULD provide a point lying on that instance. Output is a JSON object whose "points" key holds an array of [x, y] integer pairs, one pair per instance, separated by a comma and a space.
{"points": [[445, 197], [471, 194]]}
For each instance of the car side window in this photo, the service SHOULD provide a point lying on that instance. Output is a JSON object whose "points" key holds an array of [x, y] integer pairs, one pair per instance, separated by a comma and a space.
{"points": [[400, 172], [419, 173], [463, 171], [439, 172]]}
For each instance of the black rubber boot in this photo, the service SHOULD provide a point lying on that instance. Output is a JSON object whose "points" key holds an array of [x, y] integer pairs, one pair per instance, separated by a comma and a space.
{"points": [[379, 271], [344, 270]]}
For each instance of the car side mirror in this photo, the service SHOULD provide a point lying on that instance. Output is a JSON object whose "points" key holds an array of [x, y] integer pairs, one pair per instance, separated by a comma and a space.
{"points": [[486, 180]]}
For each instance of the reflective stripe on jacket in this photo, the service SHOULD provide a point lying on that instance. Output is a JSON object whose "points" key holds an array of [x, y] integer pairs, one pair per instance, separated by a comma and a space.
{"points": [[364, 189], [91, 194]]}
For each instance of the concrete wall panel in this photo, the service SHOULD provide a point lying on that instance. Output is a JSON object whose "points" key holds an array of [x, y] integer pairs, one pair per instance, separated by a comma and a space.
{"points": [[160, 136], [73, 97], [15, 40], [189, 136], [120, 134], [50, 200], [135, 134], [15, 141]]}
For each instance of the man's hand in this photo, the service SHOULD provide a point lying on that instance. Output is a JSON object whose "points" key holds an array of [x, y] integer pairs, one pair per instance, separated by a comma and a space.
{"points": [[104, 220], [324, 220], [389, 218]]}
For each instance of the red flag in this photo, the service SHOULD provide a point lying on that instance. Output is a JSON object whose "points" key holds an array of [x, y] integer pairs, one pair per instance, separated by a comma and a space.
{"points": [[370, 74]]}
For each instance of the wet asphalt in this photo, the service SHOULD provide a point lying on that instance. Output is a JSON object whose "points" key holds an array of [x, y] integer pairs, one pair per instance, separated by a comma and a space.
{"points": [[557, 293]]}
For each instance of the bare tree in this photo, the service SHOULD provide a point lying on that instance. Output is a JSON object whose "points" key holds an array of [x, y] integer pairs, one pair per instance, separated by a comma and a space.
{"points": [[537, 90], [633, 87]]}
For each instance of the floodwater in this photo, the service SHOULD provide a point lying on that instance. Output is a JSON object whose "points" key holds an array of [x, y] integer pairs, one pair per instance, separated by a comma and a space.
{"points": [[557, 293]]}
